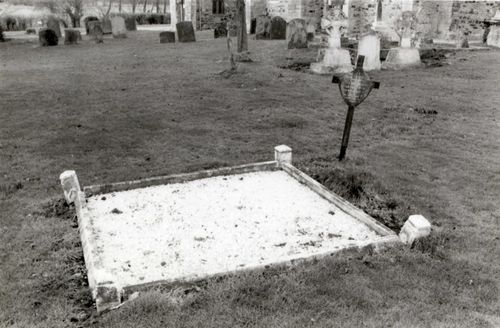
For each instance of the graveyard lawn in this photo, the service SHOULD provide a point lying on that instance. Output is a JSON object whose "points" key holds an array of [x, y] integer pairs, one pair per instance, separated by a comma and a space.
{"points": [[426, 142]]}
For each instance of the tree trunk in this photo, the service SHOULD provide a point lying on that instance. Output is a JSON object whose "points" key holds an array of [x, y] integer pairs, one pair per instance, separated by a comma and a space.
{"points": [[157, 6], [134, 4], [164, 6], [241, 26], [109, 8], [120, 6], [145, 4]]}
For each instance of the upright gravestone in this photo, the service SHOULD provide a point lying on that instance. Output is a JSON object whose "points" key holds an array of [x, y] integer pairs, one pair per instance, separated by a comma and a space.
{"points": [[95, 31], [253, 25], [118, 27], [47, 37], [369, 47], [185, 32], [71, 36], [263, 27], [130, 23], [167, 37], [296, 34], [277, 30], [54, 25], [87, 20], [311, 31], [405, 55], [106, 26], [220, 30]]}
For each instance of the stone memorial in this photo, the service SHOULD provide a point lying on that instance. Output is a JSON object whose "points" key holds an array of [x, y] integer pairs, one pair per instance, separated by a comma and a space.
{"points": [[95, 31], [311, 31], [54, 25], [369, 47], [263, 28], [220, 31], [277, 30], [106, 26], [47, 37], [118, 27], [130, 24], [86, 22], [253, 25], [296, 34], [493, 38], [185, 32], [167, 37], [72, 36], [336, 60], [405, 55]]}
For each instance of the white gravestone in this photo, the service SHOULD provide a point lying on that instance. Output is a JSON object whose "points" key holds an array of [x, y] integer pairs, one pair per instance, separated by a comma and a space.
{"points": [[405, 55], [369, 46], [118, 27]]}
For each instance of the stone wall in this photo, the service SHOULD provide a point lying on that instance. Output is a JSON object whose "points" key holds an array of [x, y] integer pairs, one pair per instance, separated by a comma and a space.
{"points": [[206, 18], [469, 16], [362, 14]]}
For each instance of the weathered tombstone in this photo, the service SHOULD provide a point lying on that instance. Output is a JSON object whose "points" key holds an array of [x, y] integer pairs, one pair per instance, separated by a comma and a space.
{"points": [[493, 37], [130, 23], [30, 31], [262, 29], [106, 26], [118, 27], [405, 55], [336, 59], [71, 36], [54, 25], [47, 37], [167, 37], [369, 46], [296, 34], [311, 31], [95, 30], [185, 32], [87, 20], [220, 31], [253, 25], [241, 27], [277, 30]]}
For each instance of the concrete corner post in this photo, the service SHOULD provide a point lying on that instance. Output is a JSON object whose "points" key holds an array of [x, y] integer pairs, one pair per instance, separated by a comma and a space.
{"points": [[282, 154], [70, 185], [415, 227]]}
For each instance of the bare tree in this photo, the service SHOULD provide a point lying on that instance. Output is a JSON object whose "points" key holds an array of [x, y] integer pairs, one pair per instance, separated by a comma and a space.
{"points": [[134, 5], [145, 4]]}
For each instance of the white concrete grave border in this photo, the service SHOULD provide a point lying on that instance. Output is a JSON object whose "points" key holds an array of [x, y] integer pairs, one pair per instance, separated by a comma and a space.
{"points": [[108, 295]]}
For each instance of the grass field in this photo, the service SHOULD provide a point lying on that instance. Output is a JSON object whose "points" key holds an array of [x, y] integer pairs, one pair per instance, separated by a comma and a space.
{"points": [[426, 142]]}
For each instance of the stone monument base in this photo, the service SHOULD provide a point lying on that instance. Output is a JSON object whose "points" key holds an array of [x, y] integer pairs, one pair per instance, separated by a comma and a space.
{"points": [[335, 61], [402, 57], [494, 36]]}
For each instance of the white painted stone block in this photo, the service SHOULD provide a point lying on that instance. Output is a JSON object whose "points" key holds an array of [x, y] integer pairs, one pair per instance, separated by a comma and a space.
{"points": [[415, 227], [283, 154], [70, 185]]}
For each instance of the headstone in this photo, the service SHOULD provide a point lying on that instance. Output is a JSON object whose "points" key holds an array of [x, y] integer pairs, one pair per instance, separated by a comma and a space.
{"points": [[335, 60], [311, 31], [369, 46], [87, 20], [30, 31], [414, 228], [185, 32], [54, 25], [494, 36], [278, 28], [47, 37], [106, 26], [220, 31], [95, 30], [130, 23], [71, 36], [405, 55], [253, 25], [296, 34], [167, 37], [263, 28], [118, 27]]}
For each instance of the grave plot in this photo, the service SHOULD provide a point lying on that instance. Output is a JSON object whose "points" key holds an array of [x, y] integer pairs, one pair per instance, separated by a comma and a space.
{"points": [[190, 226]]}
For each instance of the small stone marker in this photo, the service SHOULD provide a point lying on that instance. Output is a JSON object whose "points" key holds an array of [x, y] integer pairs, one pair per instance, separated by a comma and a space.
{"points": [[493, 37], [87, 20], [118, 27], [263, 27], [95, 30], [130, 24], [253, 25], [369, 47], [167, 37], [72, 36], [185, 32], [30, 31], [296, 34], [70, 185], [54, 25], [415, 227], [106, 26], [282, 155], [220, 31], [311, 31], [278, 28], [354, 88], [47, 37]]}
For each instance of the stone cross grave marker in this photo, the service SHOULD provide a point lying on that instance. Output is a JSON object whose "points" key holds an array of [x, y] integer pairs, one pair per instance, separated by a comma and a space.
{"points": [[354, 88]]}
